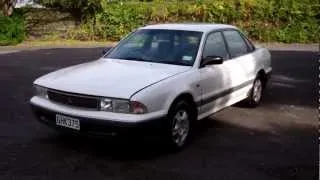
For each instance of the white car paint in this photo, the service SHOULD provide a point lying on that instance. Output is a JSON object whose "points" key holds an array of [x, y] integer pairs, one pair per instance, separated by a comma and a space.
{"points": [[108, 77], [201, 27], [158, 85]]}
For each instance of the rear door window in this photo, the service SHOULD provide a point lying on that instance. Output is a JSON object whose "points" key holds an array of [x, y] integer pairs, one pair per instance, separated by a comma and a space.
{"points": [[236, 44]]}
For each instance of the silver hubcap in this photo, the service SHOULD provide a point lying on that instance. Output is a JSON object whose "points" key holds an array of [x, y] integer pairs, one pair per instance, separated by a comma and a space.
{"points": [[180, 127], [257, 90]]}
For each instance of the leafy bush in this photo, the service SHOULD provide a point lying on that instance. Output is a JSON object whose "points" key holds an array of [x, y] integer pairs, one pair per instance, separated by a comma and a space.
{"points": [[12, 30], [263, 20]]}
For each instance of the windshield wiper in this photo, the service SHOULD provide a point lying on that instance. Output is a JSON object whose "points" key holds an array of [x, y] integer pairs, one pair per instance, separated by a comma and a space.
{"points": [[148, 60], [172, 62], [137, 59]]}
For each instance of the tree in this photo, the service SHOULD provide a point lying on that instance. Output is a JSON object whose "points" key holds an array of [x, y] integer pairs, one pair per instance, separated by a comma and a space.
{"points": [[7, 6]]}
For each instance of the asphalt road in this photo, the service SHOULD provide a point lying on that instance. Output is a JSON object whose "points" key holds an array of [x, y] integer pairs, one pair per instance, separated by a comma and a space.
{"points": [[277, 140]]}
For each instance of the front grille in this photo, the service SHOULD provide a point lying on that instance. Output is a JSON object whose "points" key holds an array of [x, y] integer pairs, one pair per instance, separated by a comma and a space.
{"points": [[73, 99]]}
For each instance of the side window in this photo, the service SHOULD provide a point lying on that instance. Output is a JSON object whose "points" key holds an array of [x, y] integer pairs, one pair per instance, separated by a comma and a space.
{"points": [[215, 46], [237, 45], [249, 43]]}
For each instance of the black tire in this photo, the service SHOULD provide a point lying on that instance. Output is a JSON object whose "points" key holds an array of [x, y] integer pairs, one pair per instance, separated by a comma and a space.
{"points": [[177, 110], [254, 99]]}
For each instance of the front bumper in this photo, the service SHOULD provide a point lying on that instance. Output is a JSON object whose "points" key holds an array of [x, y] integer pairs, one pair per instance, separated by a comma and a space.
{"points": [[98, 127]]}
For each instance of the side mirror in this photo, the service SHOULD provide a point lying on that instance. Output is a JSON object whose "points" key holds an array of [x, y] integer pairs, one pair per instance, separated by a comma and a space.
{"points": [[210, 60]]}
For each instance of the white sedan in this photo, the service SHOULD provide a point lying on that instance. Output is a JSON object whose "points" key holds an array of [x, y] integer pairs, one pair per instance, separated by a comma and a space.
{"points": [[160, 78]]}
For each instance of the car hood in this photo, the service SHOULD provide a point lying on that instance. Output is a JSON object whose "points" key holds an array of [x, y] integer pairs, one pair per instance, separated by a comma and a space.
{"points": [[109, 77]]}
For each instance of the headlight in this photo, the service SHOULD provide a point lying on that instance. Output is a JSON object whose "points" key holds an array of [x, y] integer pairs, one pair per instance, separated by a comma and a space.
{"points": [[122, 106], [106, 104], [41, 91], [115, 105]]}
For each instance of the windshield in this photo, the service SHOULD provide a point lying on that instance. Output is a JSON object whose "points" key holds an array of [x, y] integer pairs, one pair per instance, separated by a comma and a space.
{"points": [[159, 46]]}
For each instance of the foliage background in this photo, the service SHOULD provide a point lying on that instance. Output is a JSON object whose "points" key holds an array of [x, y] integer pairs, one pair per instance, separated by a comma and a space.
{"points": [[263, 20], [288, 21], [12, 29]]}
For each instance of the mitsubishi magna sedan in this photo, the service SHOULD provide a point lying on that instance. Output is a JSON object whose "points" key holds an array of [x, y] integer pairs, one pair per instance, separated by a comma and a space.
{"points": [[160, 78]]}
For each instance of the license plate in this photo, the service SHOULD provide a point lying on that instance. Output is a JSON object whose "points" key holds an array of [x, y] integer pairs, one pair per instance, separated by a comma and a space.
{"points": [[66, 121]]}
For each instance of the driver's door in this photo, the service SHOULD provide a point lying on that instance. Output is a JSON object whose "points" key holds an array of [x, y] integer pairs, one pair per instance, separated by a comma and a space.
{"points": [[215, 80]]}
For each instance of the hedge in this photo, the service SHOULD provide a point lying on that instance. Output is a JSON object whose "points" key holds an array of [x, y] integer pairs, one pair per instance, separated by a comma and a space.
{"points": [[12, 29], [263, 20]]}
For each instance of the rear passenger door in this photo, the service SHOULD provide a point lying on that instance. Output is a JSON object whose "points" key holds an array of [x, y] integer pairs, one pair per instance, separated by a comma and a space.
{"points": [[240, 66], [242, 60]]}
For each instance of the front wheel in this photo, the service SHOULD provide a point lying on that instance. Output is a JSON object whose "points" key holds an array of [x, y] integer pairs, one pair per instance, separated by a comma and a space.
{"points": [[179, 125]]}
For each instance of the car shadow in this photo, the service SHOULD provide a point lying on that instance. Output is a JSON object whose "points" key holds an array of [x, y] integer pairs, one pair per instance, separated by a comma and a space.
{"points": [[288, 154]]}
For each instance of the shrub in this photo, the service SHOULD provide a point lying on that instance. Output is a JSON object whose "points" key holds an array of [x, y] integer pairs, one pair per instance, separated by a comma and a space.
{"points": [[263, 20], [12, 30]]}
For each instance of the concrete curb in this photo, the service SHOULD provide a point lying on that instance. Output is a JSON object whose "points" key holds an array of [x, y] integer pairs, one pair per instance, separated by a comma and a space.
{"points": [[291, 47]]}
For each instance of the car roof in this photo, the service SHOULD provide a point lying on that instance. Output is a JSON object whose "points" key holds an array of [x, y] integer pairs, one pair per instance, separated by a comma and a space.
{"points": [[201, 27]]}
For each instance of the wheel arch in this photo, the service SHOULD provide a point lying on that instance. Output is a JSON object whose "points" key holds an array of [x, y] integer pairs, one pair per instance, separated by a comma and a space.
{"points": [[188, 97], [263, 76]]}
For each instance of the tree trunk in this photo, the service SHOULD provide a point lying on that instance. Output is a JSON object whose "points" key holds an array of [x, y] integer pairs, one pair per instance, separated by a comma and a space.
{"points": [[7, 6]]}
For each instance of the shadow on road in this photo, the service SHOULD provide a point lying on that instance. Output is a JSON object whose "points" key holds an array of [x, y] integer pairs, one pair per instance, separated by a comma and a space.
{"points": [[217, 145]]}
